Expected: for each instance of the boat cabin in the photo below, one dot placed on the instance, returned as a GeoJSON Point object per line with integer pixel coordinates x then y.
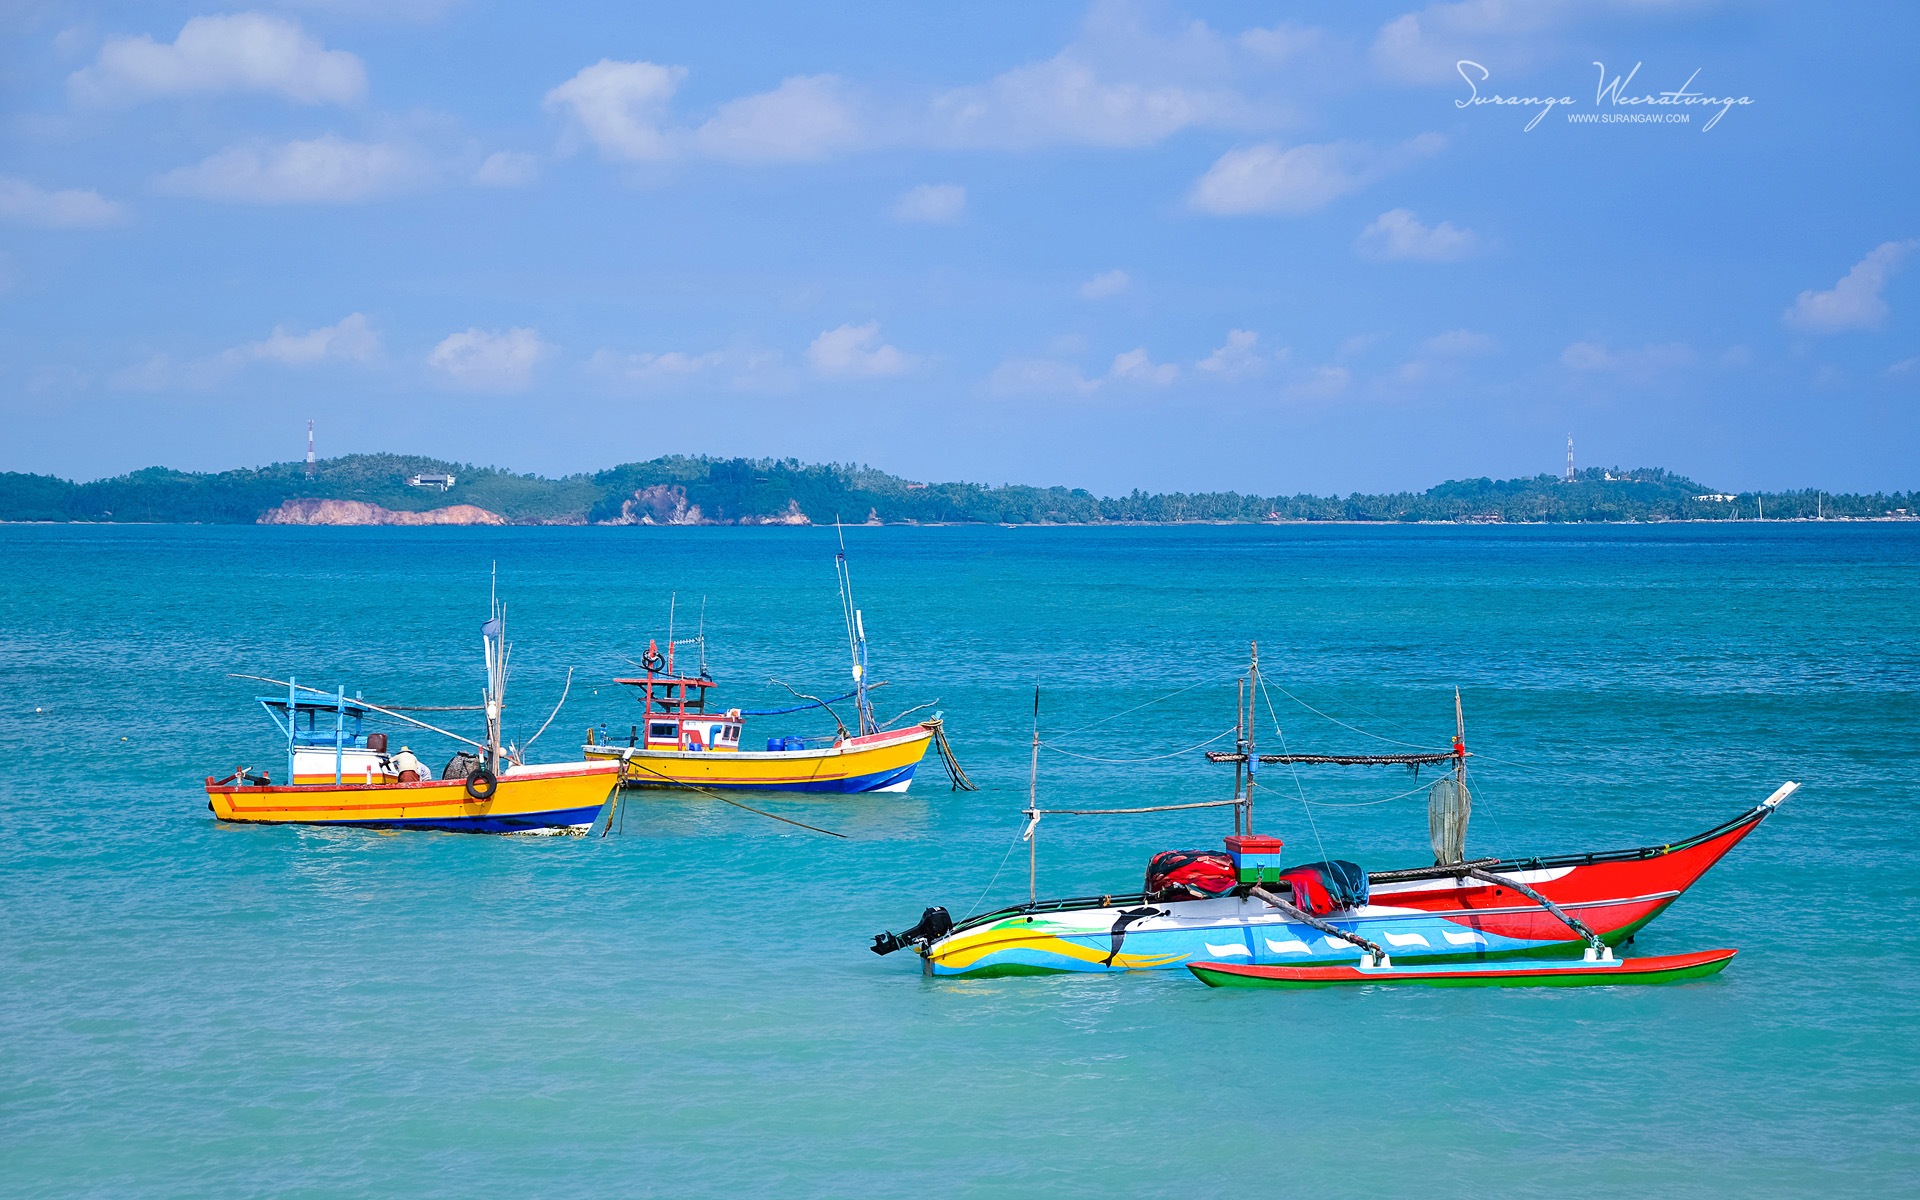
{"type": "Point", "coordinates": [676, 716]}
{"type": "Point", "coordinates": [327, 740]}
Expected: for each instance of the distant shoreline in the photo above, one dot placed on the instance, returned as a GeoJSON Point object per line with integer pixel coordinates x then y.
{"type": "Point", "coordinates": [1292, 524]}
{"type": "Point", "coordinates": [393, 490]}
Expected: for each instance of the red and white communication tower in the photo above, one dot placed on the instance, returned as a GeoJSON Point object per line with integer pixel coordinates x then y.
{"type": "Point", "coordinates": [1569, 457]}
{"type": "Point", "coordinates": [310, 448]}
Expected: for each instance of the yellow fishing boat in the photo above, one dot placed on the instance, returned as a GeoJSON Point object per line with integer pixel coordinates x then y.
{"type": "Point", "coordinates": [523, 799]}
{"type": "Point", "coordinates": [340, 773]}
{"type": "Point", "coordinates": [679, 743]}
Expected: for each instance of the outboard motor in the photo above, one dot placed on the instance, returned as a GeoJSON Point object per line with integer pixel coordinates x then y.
{"type": "Point", "coordinates": [934, 924]}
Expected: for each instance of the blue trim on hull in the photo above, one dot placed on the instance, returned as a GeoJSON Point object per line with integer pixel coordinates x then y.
{"type": "Point", "coordinates": [517, 823]}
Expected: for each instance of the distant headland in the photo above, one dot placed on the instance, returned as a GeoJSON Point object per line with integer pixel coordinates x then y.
{"type": "Point", "coordinates": [391, 489]}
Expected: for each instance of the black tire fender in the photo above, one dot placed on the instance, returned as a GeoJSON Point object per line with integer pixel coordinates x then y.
{"type": "Point", "coordinates": [481, 784]}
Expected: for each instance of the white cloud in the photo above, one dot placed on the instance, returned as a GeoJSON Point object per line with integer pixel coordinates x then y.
{"type": "Point", "coordinates": [1135, 367]}
{"type": "Point", "coordinates": [855, 351]}
{"type": "Point", "coordinates": [1422, 47]}
{"type": "Point", "coordinates": [23, 203]}
{"type": "Point", "coordinates": [1043, 376]}
{"type": "Point", "coordinates": [931, 204]}
{"type": "Point", "coordinates": [1105, 285]}
{"type": "Point", "coordinates": [653, 368]}
{"type": "Point", "coordinates": [1906, 366]}
{"type": "Point", "coordinates": [1856, 301]}
{"type": "Point", "coordinates": [325, 170]}
{"type": "Point", "coordinates": [504, 168]}
{"type": "Point", "coordinates": [806, 119]}
{"type": "Point", "coordinates": [1267, 178]}
{"type": "Point", "coordinates": [243, 52]}
{"type": "Point", "coordinates": [1064, 100]}
{"type": "Point", "coordinates": [351, 339]}
{"type": "Point", "coordinates": [1443, 356]}
{"type": "Point", "coordinates": [1238, 358]}
{"type": "Point", "coordinates": [1460, 343]}
{"type": "Point", "coordinates": [489, 359]}
{"type": "Point", "coordinates": [1284, 41]}
{"type": "Point", "coordinates": [1398, 236]}
{"type": "Point", "coordinates": [153, 375]}
{"type": "Point", "coordinates": [1354, 346]}
{"type": "Point", "coordinates": [738, 368]}
{"type": "Point", "coordinates": [1319, 384]}
{"type": "Point", "coordinates": [1039, 376]}
{"type": "Point", "coordinates": [1637, 363]}
{"type": "Point", "coordinates": [620, 106]}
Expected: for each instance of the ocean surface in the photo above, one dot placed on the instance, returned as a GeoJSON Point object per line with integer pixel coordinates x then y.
{"type": "Point", "coordinates": [687, 1007]}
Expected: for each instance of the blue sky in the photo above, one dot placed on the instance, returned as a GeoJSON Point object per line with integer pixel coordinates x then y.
{"type": "Point", "coordinates": [1265, 247]}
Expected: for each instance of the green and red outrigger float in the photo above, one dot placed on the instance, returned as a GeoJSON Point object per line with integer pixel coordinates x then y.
{"type": "Point", "coordinates": [1241, 919]}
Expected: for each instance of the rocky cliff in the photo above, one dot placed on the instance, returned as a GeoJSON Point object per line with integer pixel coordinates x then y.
{"type": "Point", "coordinates": [355, 512]}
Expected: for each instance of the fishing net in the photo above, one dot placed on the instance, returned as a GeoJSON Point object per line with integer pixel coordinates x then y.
{"type": "Point", "coordinates": [1448, 807]}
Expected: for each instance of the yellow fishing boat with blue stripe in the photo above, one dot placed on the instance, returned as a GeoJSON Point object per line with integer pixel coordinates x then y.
{"type": "Point", "coordinates": [678, 742]}
{"type": "Point", "coordinates": [339, 772]}
{"type": "Point", "coordinates": [524, 799]}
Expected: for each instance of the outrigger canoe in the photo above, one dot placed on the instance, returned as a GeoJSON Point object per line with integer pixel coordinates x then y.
{"type": "Point", "coordinates": [1244, 907]}
{"type": "Point", "coordinates": [1428, 914]}
{"type": "Point", "coordinates": [1659, 968]}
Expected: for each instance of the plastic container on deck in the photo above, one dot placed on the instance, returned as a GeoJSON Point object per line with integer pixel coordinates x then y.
{"type": "Point", "coordinates": [1255, 859]}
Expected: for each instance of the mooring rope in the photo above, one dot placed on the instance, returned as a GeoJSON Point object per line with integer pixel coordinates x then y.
{"type": "Point", "coordinates": [627, 760]}
{"type": "Point", "coordinates": [954, 771]}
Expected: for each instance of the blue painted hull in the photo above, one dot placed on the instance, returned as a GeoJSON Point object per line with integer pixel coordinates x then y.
{"type": "Point", "coordinates": [875, 782]}
{"type": "Point", "coordinates": [517, 823]}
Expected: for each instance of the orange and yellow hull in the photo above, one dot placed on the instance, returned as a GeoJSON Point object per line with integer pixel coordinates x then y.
{"type": "Point", "coordinates": [556, 796]}
{"type": "Point", "coordinates": [880, 762]}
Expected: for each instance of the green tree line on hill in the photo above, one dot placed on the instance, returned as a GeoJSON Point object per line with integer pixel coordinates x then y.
{"type": "Point", "coordinates": [699, 490]}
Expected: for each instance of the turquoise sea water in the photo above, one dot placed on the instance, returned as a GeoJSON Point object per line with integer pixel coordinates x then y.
{"type": "Point", "coordinates": [688, 1007]}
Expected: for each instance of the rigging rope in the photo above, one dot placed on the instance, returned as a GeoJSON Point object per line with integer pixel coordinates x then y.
{"type": "Point", "coordinates": [1018, 837]}
{"type": "Point", "coordinates": [1365, 803]}
{"type": "Point", "coordinates": [1151, 758]}
{"type": "Point", "coordinates": [1149, 704]}
{"type": "Point", "coordinates": [1297, 786]}
{"type": "Point", "coordinates": [694, 787]}
{"type": "Point", "coordinates": [1337, 721]}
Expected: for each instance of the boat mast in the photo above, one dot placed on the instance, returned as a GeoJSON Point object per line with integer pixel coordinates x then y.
{"type": "Point", "coordinates": [1459, 744]}
{"type": "Point", "coordinates": [856, 636]}
{"type": "Point", "coordinates": [1253, 759]}
{"type": "Point", "coordinates": [494, 645]}
{"type": "Point", "coordinates": [1239, 748]}
{"type": "Point", "coordinates": [1033, 807]}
